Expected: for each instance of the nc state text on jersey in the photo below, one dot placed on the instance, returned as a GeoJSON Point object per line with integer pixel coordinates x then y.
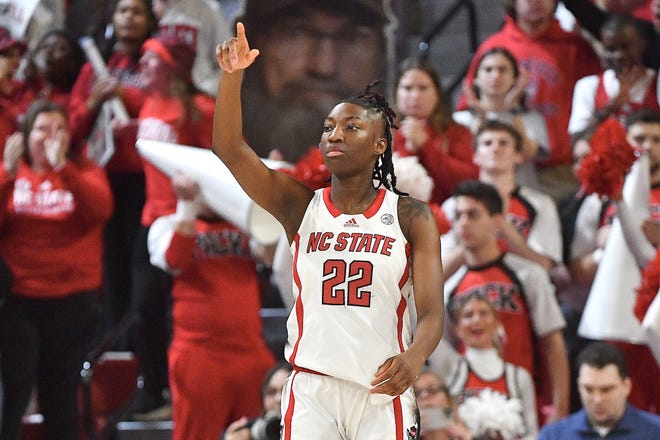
{"type": "Point", "coordinates": [352, 242]}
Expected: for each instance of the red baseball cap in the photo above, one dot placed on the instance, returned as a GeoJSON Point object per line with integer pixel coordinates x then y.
{"type": "Point", "coordinates": [7, 41]}
{"type": "Point", "coordinates": [174, 51]}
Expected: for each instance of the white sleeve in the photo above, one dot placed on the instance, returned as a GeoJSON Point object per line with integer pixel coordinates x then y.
{"type": "Point", "coordinates": [641, 248]}
{"type": "Point", "coordinates": [545, 234]}
{"type": "Point", "coordinates": [159, 239]}
{"type": "Point", "coordinates": [584, 103]}
{"type": "Point", "coordinates": [539, 293]}
{"type": "Point", "coordinates": [528, 398]}
{"type": "Point", "coordinates": [537, 130]}
{"type": "Point", "coordinates": [464, 117]}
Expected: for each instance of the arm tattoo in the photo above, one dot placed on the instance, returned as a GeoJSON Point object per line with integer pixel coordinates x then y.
{"type": "Point", "coordinates": [410, 209]}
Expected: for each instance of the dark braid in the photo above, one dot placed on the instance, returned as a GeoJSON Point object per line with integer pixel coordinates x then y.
{"type": "Point", "coordinates": [374, 101]}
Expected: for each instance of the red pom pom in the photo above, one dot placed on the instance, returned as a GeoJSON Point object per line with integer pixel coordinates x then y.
{"type": "Point", "coordinates": [310, 170]}
{"type": "Point", "coordinates": [649, 288]}
{"type": "Point", "coordinates": [603, 170]}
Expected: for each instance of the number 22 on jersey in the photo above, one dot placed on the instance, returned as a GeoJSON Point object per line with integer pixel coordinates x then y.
{"type": "Point", "coordinates": [347, 283]}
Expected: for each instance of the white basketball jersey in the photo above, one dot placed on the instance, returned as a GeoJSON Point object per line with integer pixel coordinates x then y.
{"type": "Point", "coordinates": [351, 279]}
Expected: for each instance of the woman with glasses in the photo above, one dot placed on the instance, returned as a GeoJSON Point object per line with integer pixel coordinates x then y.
{"type": "Point", "coordinates": [436, 409]}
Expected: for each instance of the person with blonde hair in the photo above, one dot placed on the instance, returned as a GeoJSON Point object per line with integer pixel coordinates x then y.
{"type": "Point", "coordinates": [477, 327]}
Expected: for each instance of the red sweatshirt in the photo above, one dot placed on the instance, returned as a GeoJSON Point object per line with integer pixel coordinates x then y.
{"type": "Point", "coordinates": [37, 89]}
{"type": "Point", "coordinates": [163, 119]}
{"type": "Point", "coordinates": [51, 228]}
{"type": "Point", "coordinates": [216, 294]}
{"type": "Point", "coordinates": [446, 157]}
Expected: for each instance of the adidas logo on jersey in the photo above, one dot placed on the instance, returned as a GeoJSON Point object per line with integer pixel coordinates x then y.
{"type": "Point", "coordinates": [351, 223]}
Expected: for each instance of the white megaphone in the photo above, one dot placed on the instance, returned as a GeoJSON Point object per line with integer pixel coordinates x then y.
{"type": "Point", "coordinates": [219, 188]}
{"type": "Point", "coordinates": [651, 327]}
{"type": "Point", "coordinates": [609, 311]}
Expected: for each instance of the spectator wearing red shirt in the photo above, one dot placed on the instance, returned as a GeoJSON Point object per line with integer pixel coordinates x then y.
{"type": "Point", "coordinates": [53, 67]}
{"type": "Point", "coordinates": [174, 111]}
{"type": "Point", "coordinates": [217, 343]}
{"type": "Point", "coordinates": [428, 131]}
{"type": "Point", "coordinates": [133, 23]}
{"type": "Point", "coordinates": [54, 206]}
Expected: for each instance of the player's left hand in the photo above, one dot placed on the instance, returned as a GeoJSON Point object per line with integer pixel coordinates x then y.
{"type": "Point", "coordinates": [395, 375]}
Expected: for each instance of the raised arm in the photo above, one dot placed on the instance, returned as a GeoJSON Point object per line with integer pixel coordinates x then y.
{"type": "Point", "coordinates": [284, 197]}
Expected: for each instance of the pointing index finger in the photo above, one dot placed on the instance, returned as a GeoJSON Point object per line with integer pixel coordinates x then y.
{"type": "Point", "coordinates": [240, 32]}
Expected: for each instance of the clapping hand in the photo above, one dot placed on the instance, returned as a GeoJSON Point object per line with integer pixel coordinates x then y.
{"type": "Point", "coordinates": [102, 90]}
{"type": "Point", "coordinates": [628, 77]}
{"type": "Point", "coordinates": [414, 130]}
{"type": "Point", "coordinates": [56, 147]}
{"type": "Point", "coordinates": [235, 53]}
{"type": "Point", "coordinates": [14, 147]}
{"type": "Point", "coordinates": [513, 98]}
{"type": "Point", "coordinates": [472, 100]}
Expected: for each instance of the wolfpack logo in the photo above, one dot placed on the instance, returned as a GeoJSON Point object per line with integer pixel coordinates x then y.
{"type": "Point", "coordinates": [221, 244]}
{"type": "Point", "coordinates": [412, 433]}
{"type": "Point", "coordinates": [351, 223]}
{"type": "Point", "coordinates": [387, 219]}
{"type": "Point", "coordinates": [505, 297]}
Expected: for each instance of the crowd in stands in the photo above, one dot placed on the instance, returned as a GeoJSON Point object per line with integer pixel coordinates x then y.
{"type": "Point", "coordinates": [535, 176]}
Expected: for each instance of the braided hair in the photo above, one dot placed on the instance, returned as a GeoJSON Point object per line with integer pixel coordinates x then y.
{"type": "Point", "coordinates": [375, 102]}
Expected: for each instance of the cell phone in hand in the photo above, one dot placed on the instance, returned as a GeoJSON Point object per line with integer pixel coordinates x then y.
{"type": "Point", "coordinates": [432, 418]}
